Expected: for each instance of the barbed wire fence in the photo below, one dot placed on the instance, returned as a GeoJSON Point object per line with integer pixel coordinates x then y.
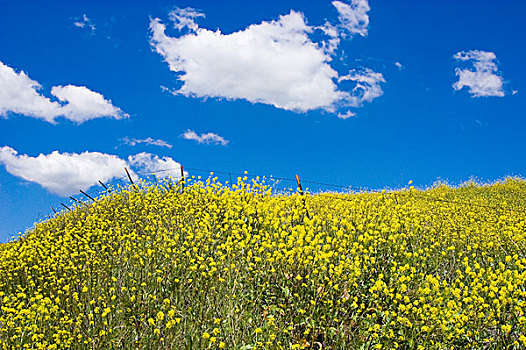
{"type": "Point", "coordinates": [278, 184]}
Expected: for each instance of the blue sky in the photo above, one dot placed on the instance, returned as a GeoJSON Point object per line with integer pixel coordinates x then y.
{"type": "Point", "coordinates": [431, 90]}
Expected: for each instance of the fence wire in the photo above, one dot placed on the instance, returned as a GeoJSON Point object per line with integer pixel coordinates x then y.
{"type": "Point", "coordinates": [278, 184]}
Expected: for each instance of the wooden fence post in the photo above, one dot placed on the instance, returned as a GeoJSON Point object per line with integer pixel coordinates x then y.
{"type": "Point", "coordinates": [299, 185]}
{"type": "Point", "coordinates": [182, 176]}
{"type": "Point", "coordinates": [65, 206]}
{"type": "Point", "coordinates": [106, 188]}
{"type": "Point", "coordinates": [129, 177]}
{"type": "Point", "coordinates": [76, 200]}
{"type": "Point", "coordinates": [303, 195]}
{"type": "Point", "coordinates": [87, 195]}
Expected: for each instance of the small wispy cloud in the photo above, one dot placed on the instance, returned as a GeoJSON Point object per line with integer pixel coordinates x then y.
{"type": "Point", "coordinates": [346, 115]}
{"type": "Point", "coordinates": [481, 123]}
{"type": "Point", "coordinates": [353, 17]}
{"type": "Point", "coordinates": [206, 138]}
{"type": "Point", "coordinates": [185, 18]}
{"type": "Point", "coordinates": [367, 88]}
{"type": "Point", "coordinates": [84, 22]}
{"type": "Point", "coordinates": [398, 65]}
{"type": "Point", "coordinates": [147, 141]}
{"type": "Point", "coordinates": [484, 80]}
{"type": "Point", "coordinates": [151, 163]}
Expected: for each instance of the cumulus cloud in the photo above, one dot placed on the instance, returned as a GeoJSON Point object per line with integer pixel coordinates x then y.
{"type": "Point", "coordinates": [65, 174]}
{"type": "Point", "coordinates": [484, 80]}
{"type": "Point", "coordinates": [399, 65]}
{"type": "Point", "coordinates": [273, 62]}
{"type": "Point", "coordinates": [84, 22]}
{"type": "Point", "coordinates": [151, 163]}
{"type": "Point", "coordinates": [353, 17]}
{"type": "Point", "coordinates": [19, 94]}
{"type": "Point", "coordinates": [82, 104]}
{"type": "Point", "coordinates": [147, 141]}
{"type": "Point", "coordinates": [207, 138]}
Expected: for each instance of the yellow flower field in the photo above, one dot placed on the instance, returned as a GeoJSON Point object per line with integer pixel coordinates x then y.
{"type": "Point", "coordinates": [214, 267]}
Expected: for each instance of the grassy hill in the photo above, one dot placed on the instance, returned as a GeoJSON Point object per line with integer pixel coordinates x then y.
{"type": "Point", "coordinates": [211, 267]}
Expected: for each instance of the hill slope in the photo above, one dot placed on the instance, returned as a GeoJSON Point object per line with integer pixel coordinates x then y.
{"type": "Point", "coordinates": [209, 267]}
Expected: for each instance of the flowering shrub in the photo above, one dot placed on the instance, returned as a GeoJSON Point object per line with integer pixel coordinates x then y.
{"type": "Point", "coordinates": [214, 267]}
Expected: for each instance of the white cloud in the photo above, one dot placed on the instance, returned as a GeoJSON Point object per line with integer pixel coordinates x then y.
{"type": "Point", "coordinates": [65, 174]}
{"type": "Point", "coordinates": [82, 104]}
{"type": "Point", "coordinates": [481, 123]}
{"type": "Point", "coordinates": [333, 34]}
{"type": "Point", "coordinates": [185, 18]}
{"type": "Point", "coordinates": [84, 22]}
{"type": "Point", "coordinates": [399, 65]}
{"type": "Point", "coordinates": [346, 115]}
{"type": "Point", "coordinates": [20, 95]}
{"type": "Point", "coordinates": [484, 80]}
{"type": "Point", "coordinates": [274, 62]}
{"type": "Point", "coordinates": [353, 17]}
{"type": "Point", "coordinates": [205, 138]}
{"type": "Point", "coordinates": [151, 163]}
{"type": "Point", "coordinates": [367, 86]}
{"type": "Point", "coordinates": [148, 141]}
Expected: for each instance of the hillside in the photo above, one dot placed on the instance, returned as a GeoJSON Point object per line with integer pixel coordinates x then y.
{"type": "Point", "coordinates": [210, 267]}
